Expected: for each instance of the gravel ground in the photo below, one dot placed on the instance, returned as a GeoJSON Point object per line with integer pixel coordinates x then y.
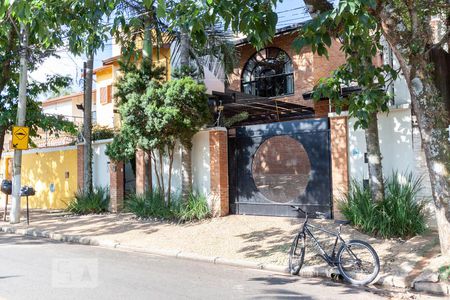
{"type": "Point", "coordinates": [254, 238]}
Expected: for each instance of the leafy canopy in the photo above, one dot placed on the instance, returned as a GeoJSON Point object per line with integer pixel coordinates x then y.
{"type": "Point", "coordinates": [359, 34]}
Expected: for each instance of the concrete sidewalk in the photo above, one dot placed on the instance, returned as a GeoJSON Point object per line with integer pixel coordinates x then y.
{"type": "Point", "coordinates": [250, 241]}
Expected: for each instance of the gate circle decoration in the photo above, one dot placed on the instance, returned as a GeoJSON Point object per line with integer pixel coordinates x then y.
{"type": "Point", "coordinates": [281, 169]}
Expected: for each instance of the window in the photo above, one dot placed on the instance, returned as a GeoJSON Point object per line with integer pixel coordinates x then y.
{"type": "Point", "coordinates": [106, 94]}
{"type": "Point", "coordinates": [268, 73]}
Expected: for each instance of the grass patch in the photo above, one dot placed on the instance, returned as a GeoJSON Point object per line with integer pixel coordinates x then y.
{"type": "Point", "coordinates": [94, 202]}
{"type": "Point", "coordinates": [400, 214]}
{"type": "Point", "coordinates": [153, 205]}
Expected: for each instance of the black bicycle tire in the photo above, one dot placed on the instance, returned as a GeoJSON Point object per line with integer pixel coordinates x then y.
{"type": "Point", "coordinates": [294, 246]}
{"type": "Point", "coordinates": [346, 276]}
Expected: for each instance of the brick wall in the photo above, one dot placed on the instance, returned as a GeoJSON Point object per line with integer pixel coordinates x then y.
{"type": "Point", "coordinates": [339, 161]}
{"type": "Point", "coordinates": [218, 149]}
{"type": "Point", "coordinates": [143, 172]}
{"type": "Point", "coordinates": [308, 67]}
{"type": "Point", "coordinates": [116, 171]}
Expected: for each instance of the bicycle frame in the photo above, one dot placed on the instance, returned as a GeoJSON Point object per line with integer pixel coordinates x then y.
{"type": "Point", "coordinates": [330, 259]}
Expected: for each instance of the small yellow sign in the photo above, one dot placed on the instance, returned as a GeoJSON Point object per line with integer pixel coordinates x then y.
{"type": "Point", "coordinates": [20, 137]}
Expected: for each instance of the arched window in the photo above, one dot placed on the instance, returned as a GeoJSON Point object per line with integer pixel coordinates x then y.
{"type": "Point", "coordinates": [268, 73]}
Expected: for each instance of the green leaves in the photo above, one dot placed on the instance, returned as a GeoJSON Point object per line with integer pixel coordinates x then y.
{"type": "Point", "coordinates": [359, 34]}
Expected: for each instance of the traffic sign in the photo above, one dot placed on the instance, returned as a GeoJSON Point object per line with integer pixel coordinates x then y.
{"type": "Point", "coordinates": [20, 136]}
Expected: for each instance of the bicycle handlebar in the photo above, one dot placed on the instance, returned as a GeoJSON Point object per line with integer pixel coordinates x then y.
{"type": "Point", "coordinates": [299, 209]}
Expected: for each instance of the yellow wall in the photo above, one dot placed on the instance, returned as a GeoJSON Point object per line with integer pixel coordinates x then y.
{"type": "Point", "coordinates": [41, 169]}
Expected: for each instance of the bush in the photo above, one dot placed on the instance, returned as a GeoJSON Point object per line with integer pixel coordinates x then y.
{"type": "Point", "coordinates": [94, 202]}
{"type": "Point", "coordinates": [196, 208]}
{"type": "Point", "coordinates": [102, 133]}
{"type": "Point", "coordinates": [152, 204]}
{"type": "Point", "coordinates": [400, 214]}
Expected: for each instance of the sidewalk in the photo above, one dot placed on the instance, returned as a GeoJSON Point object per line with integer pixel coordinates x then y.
{"type": "Point", "coordinates": [250, 241]}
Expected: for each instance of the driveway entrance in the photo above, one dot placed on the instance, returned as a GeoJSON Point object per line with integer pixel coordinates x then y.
{"type": "Point", "coordinates": [273, 166]}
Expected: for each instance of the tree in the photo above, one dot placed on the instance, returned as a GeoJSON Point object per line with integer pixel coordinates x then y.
{"type": "Point", "coordinates": [85, 36]}
{"type": "Point", "coordinates": [35, 118]}
{"type": "Point", "coordinates": [31, 29]}
{"type": "Point", "coordinates": [360, 44]}
{"type": "Point", "coordinates": [130, 88]}
{"type": "Point", "coordinates": [406, 25]}
{"type": "Point", "coordinates": [198, 36]}
{"type": "Point", "coordinates": [155, 116]}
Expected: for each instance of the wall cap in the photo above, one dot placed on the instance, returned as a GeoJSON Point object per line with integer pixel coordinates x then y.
{"type": "Point", "coordinates": [216, 129]}
{"type": "Point", "coordinates": [398, 107]}
{"type": "Point", "coordinates": [42, 150]}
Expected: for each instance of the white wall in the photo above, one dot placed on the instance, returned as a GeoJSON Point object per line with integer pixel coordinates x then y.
{"type": "Point", "coordinates": [59, 108]}
{"type": "Point", "coordinates": [176, 171]}
{"type": "Point", "coordinates": [213, 83]}
{"type": "Point", "coordinates": [200, 166]}
{"type": "Point", "coordinates": [100, 166]}
{"type": "Point", "coordinates": [104, 112]}
{"type": "Point", "coordinates": [395, 132]}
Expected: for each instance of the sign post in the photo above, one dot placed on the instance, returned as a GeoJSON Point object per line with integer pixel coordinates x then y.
{"type": "Point", "coordinates": [20, 137]}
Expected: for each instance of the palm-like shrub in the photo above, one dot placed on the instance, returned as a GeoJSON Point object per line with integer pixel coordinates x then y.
{"type": "Point", "coordinates": [195, 208]}
{"type": "Point", "coordinates": [153, 204]}
{"type": "Point", "coordinates": [400, 214]}
{"type": "Point", "coordinates": [94, 202]}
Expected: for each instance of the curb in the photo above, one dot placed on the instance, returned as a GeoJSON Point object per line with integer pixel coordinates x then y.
{"type": "Point", "coordinates": [439, 288]}
{"type": "Point", "coordinates": [306, 272]}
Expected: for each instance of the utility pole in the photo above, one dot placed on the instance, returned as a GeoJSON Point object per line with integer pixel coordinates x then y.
{"type": "Point", "coordinates": [21, 115]}
{"type": "Point", "coordinates": [87, 123]}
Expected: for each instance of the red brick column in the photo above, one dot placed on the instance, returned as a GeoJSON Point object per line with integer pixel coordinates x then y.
{"type": "Point", "coordinates": [339, 161]}
{"type": "Point", "coordinates": [116, 172]}
{"type": "Point", "coordinates": [218, 151]}
{"type": "Point", "coordinates": [143, 172]}
{"type": "Point", "coordinates": [80, 166]}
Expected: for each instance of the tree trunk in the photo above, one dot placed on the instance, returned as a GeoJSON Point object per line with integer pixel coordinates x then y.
{"type": "Point", "coordinates": [185, 45]}
{"type": "Point", "coordinates": [186, 156]}
{"type": "Point", "coordinates": [376, 182]}
{"type": "Point", "coordinates": [186, 172]}
{"type": "Point", "coordinates": [21, 115]}
{"type": "Point", "coordinates": [155, 167]}
{"type": "Point", "coordinates": [431, 116]}
{"type": "Point", "coordinates": [87, 148]}
{"type": "Point", "coordinates": [169, 192]}
{"type": "Point", "coordinates": [2, 139]}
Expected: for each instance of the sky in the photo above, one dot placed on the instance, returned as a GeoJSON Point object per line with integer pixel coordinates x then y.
{"type": "Point", "coordinates": [289, 12]}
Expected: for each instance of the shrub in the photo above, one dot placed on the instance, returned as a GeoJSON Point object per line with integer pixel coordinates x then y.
{"type": "Point", "coordinates": [196, 208]}
{"type": "Point", "coordinates": [152, 204]}
{"type": "Point", "coordinates": [400, 214]}
{"type": "Point", "coordinates": [102, 133]}
{"type": "Point", "coordinates": [444, 273]}
{"type": "Point", "coordinates": [93, 202]}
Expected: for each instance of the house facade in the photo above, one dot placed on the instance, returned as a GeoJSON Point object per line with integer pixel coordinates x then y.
{"type": "Point", "coordinates": [282, 149]}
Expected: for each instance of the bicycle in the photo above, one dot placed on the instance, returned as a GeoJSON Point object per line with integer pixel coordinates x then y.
{"type": "Point", "coordinates": [353, 259]}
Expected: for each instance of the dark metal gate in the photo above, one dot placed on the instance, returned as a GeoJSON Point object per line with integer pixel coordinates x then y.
{"type": "Point", "coordinates": [273, 166]}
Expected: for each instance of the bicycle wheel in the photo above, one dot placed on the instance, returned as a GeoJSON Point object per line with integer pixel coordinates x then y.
{"type": "Point", "coordinates": [358, 262]}
{"type": "Point", "coordinates": [297, 254]}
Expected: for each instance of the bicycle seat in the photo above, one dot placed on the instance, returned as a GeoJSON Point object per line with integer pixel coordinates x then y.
{"type": "Point", "coordinates": [342, 222]}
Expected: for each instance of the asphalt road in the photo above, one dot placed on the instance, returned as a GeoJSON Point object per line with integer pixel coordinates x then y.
{"type": "Point", "coordinates": [40, 269]}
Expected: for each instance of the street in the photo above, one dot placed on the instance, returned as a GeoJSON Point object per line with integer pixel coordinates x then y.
{"type": "Point", "coordinates": [40, 269]}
